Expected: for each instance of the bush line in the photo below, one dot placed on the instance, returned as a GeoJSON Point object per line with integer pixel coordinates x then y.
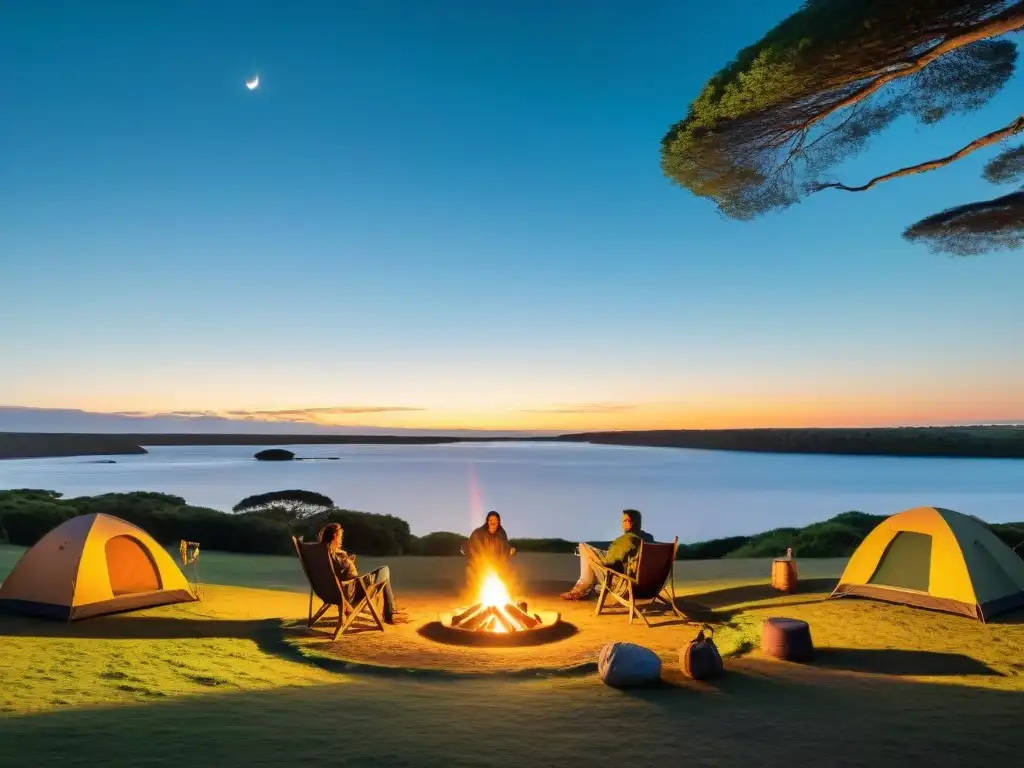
{"type": "Point", "coordinates": [26, 515]}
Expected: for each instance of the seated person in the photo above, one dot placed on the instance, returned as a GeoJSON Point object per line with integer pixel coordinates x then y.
{"type": "Point", "coordinates": [488, 547]}
{"type": "Point", "coordinates": [345, 569]}
{"type": "Point", "coordinates": [620, 557]}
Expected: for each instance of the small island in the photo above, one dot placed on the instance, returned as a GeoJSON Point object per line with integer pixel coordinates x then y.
{"type": "Point", "coordinates": [274, 454]}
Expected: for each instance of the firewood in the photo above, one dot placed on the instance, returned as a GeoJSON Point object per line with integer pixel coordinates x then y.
{"type": "Point", "coordinates": [525, 620]}
{"type": "Point", "coordinates": [459, 618]}
{"type": "Point", "coordinates": [501, 620]}
{"type": "Point", "coordinates": [477, 621]}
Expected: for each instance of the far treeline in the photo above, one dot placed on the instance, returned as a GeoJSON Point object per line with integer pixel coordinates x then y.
{"type": "Point", "coordinates": [982, 441]}
{"type": "Point", "coordinates": [1003, 442]}
{"type": "Point", "coordinates": [263, 524]}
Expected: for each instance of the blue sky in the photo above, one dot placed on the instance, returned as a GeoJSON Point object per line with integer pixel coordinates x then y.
{"type": "Point", "coordinates": [457, 207]}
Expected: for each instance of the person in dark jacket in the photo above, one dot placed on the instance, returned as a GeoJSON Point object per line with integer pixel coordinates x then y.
{"type": "Point", "coordinates": [488, 548]}
{"type": "Point", "coordinates": [620, 557]}
{"type": "Point", "coordinates": [345, 569]}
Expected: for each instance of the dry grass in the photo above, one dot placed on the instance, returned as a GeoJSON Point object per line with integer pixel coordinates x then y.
{"type": "Point", "coordinates": [233, 681]}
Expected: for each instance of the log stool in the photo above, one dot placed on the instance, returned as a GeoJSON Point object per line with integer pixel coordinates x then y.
{"type": "Point", "coordinates": [784, 576]}
{"type": "Point", "coordinates": [787, 639]}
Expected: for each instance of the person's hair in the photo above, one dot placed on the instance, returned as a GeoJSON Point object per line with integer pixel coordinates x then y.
{"type": "Point", "coordinates": [490, 514]}
{"type": "Point", "coordinates": [634, 517]}
{"type": "Point", "coordinates": [329, 531]}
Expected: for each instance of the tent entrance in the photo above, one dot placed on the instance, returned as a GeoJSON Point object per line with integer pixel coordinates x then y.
{"type": "Point", "coordinates": [906, 562]}
{"type": "Point", "coordinates": [130, 567]}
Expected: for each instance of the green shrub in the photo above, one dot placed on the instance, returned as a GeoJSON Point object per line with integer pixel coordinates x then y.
{"type": "Point", "coordinates": [712, 549]}
{"type": "Point", "coordinates": [26, 521]}
{"type": "Point", "coordinates": [769, 544]}
{"type": "Point", "coordinates": [827, 540]}
{"type": "Point", "coordinates": [543, 545]}
{"type": "Point", "coordinates": [439, 544]}
{"type": "Point", "coordinates": [30, 493]}
{"type": "Point", "coordinates": [28, 514]}
{"type": "Point", "coordinates": [1012, 534]}
{"type": "Point", "coordinates": [366, 533]}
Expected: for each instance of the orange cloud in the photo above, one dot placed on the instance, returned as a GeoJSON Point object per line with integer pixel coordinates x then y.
{"type": "Point", "coordinates": [319, 415]}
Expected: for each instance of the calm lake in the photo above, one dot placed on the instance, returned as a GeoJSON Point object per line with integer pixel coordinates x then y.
{"type": "Point", "coordinates": [556, 489]}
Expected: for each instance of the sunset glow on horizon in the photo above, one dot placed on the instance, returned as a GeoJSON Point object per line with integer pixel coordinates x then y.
{"type": "Point", "coordinates": [793, 412]}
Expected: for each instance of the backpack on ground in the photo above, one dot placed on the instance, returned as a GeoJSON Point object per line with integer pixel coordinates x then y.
{"type": "Point", "coordinates": [700, 659]}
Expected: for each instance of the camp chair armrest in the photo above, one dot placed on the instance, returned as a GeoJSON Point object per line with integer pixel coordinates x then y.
{"type": "Point", "coordinates": [608, 574]}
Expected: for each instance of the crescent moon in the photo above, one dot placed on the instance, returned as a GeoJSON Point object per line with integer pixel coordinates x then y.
{"type": "Point", "coordinates": [251, 84]}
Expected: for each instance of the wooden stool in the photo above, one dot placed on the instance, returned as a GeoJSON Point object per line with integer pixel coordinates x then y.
{"type": "Point", "coordinates": [784, 575]}
{"type": "Point", "coordinates": [787, 639]}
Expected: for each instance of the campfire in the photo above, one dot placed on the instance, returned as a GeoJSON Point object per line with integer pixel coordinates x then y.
{"type": "Point", "coordinates": [496, 615]}
{"type": "Point", "coordinates": [495, 611]}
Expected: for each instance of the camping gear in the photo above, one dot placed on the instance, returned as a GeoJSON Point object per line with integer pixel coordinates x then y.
{"type": "Point", "coordinates": [627, 665]}
{"type": "Point", "coordinates": [92, 565]}
{"type": "Point", "coordinates": [699, 659]}
{"type": "Point", "coordinates": [315, 559]}
{"type": "Point", "coordinates": [787, 639]}
{"type": "Point", "coordinates": [929, 557]}
{"type": "Point", "coordinates": [654, 582]}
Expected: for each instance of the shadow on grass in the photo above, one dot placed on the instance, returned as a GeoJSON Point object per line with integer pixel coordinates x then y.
{"type": "Point", "coordinates": [128, 627]}
{"type": "Point", "coordinates": [715, 607]}
{"type": "Point", "coordinates": [1014, 617]}
{"type": "Point", "coordinates": [274, 637]}
{"type": "Point", "coordinates": [747, 720]}
{"type": "Point", "coordinates": [752, 593]}
{"type": "Point", "coordinates": [891, 661]}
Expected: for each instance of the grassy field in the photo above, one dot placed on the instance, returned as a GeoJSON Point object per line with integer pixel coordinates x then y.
{"type": "Point", "coordinates": [236, 680]}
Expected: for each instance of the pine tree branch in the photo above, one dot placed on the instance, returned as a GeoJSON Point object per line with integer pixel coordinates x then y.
{"type": "Point", "coordinates": [987, 140]}
{"type": "Point", "coordinates": [1008, 21]}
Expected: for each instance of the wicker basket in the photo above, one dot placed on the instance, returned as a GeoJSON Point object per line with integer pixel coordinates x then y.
{"type": "Point", "coordinates": [784, 576]}
{"type": "Point", "coordinates": [787, 639]}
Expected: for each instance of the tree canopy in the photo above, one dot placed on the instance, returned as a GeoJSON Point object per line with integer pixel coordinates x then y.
{"type": "Point", "coordinates": [292, 504]}
{"type": "Point", "coordinates": [768, 128]}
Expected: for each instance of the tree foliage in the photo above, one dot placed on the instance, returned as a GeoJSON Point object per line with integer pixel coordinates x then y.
{"type": "Point", "coordinates": [767, 129]}
{"type": "Point", "coordinates": [968, 230]}
{"type": "Point", "coordinates": [291, 504]}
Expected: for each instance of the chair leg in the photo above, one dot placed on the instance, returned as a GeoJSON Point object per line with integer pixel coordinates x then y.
{"type": "Point", "coordinates": [309, 619]}
{"type": "Point", "coordinates": [373, 612]}
{"type": "Point", "coordinates": [601, 598]}
{"type": "Point", "coordinates": [671, 600]}
{"type": "Point", "coordinates": [319, 614]}
{"type": "Point", "coordinates": [340, 626]}
{"type": "Point", "coordinates": [632, 605]}
{"type": "Point", "coordinates": [672, 593]}
{"type": "Point", "coordinates": [353, 612]}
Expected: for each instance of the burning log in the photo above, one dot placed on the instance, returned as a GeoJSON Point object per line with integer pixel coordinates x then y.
{"type": "Point", "coordinates": [492, 618]}
{"type": "Point", "coordinates": [520, 616]}
{"type": "Point", "coordinates": [479, 615]}
{"type": "Point", "coordinates": [495, 612]}
{"type": "Point", "coordinates": [502, 622]}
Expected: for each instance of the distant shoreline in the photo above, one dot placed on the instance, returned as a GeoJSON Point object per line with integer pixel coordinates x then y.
{"type": "Point", "coordinates": [1003, 442]}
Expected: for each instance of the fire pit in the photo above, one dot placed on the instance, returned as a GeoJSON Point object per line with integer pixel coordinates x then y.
{"type": "Point", "coordinates": [495, 619]}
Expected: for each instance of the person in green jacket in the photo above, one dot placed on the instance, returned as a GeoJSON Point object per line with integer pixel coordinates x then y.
{"type": "Point", "coordinates": [620, 557]}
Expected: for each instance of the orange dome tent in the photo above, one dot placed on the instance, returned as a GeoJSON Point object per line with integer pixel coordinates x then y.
{"type": "Point", "coordinates": [92, 565]}
{"type": "Point", "coordinates": [936, 558]}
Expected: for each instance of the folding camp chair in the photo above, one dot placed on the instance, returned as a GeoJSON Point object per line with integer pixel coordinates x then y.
{"type": "Point", "coordinates": [323, 582]}
{"type": "Point", "coordinates": [653, 583]}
